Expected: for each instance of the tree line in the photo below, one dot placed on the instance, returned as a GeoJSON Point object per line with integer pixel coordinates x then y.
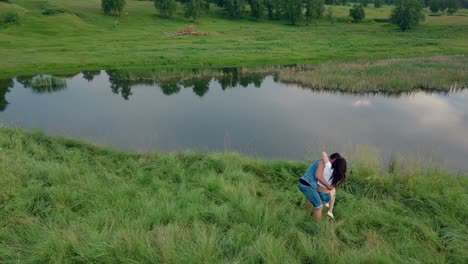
{"type": "Point", "coordinates": [406, 14]}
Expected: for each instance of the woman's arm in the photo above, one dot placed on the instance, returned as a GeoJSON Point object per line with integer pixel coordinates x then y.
{"type": "Point", "coordinates": [325, 157]}
{"type": "Point", "coordinates": [319, 175]}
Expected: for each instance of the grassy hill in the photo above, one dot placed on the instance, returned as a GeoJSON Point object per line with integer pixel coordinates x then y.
{"type": "Point", "coordinates": [64, 201]}
{"type": "Point", "coordinates": [79, 36]}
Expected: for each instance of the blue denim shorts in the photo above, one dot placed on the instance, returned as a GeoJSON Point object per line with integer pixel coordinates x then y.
{"type": "Point", "coordinates": [315, 197]}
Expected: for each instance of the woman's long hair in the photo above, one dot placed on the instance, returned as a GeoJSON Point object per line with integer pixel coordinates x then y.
{"type": "Point", "coordinates": [339, 172]}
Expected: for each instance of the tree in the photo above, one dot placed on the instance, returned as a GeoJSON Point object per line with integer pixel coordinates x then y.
{"type": "Point", "coordinates": [314, 9]}
{"type": "Point", "coordinates": [331, 14]}
{"type": "Point", "coordinates": [435, 6]}
{"type": "Point", "coordinates": [407, 13]}
{"type": "Point", "coordinates": [256, 7]}
{"type": "Point", "coordinates": [364, 3]}
{"type": "Point", "coordinates": [89, 75]}
{"type": "Point", "coordinates": [166, 7]}
{"type": "Point", "coordinates": [234, 8]}
{"type": "Point", "coordinates": [274, 8]}
{"type": "Point", "coordinates": [195, 8]}
{"type": "Point", "coordinates": [378, 3]}
{"type": "Point", "coordinates": [452, 6]}
{"type": "Point", "coordinates": [357, 13]}
{"type": "Point", "coordinates": [293, 10]}
{"type": "Point", "coordinates": [113, 6]}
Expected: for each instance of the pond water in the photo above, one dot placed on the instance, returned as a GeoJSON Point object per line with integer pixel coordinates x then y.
{"type": "Point", "coordinates": [252, 114]}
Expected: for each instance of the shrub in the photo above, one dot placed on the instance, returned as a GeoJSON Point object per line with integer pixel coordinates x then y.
{"type": "Point", "coordinates": [11, 18]}
{"type": "Point", "coordinates": [357, 13]}
{"type": "Point", "coordinates": [407, 14]}
{"type": "Point", "coordinates": [53, 11]}
{"type": "Point", "coordinates": [166, 7]}
{"type": "Point", "coordinates": [113, 6]}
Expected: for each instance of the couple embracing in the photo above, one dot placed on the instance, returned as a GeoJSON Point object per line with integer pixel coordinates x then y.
{"type": "Point", "coordinates": [319, 182]}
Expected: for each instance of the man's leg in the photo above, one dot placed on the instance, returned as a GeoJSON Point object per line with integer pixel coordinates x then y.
{"type": "Point", "coordinates": [309, 208]}
{"type": "Point", "coordinates": [318, 213]}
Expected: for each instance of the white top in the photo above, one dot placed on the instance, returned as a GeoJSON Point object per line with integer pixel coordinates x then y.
{"type": "Point", "coordinates": [327, 173]}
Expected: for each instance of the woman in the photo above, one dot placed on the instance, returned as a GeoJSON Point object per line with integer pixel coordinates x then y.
{"type": "Point", "coordinates": [334, 174]}
{"type": "Point", "coordinates": [308, 184]}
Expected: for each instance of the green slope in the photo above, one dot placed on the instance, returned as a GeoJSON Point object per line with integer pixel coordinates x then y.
{"type": "Point", "coordinates": [64, 201]}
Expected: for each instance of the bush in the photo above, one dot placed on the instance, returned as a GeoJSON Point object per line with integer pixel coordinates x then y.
{"type": "Point", "coordinates": [407, 14]}
{"type": "Point", "coordinates": [357, 13]}
{"type": "Point", "coordinates": [166, 7]}
{"type": "Point", "coordinates": [53, 11]}
{"type": "Point", "coordinates": [113, 6]}
{"type": "Point", "coordinates": [11, 18]}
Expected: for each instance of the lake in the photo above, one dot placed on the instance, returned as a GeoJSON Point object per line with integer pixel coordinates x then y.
{"type": "Point", "coordinates": [252, 114]}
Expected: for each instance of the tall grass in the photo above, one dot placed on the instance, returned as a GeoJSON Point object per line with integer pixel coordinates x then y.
{"type": "Point", "coordinates": [66, 201]}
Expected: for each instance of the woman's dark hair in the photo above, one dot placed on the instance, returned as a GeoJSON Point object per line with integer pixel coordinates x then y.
{"type": "Point", "coordinates": [339, 172]}
{"type": "Point", "coordinates": [335, 156]}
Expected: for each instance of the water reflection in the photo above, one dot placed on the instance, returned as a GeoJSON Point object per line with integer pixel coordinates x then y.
{"type": "Point", "coordinates": [122, 81]}
{"type": "Point", "coordinates": [43, 83]}
{"type": "Point", "coordinates": [171, 82]}
{"type": "Point", "coordinates": [5, 86]}
{"type": "Point", "coordinates": [89, 75]}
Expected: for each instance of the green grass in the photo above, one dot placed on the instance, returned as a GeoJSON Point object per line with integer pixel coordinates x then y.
{"type": "Point", "coordinates": [80, 37]}
{"type": "Point", "coordinates": [64, 201]}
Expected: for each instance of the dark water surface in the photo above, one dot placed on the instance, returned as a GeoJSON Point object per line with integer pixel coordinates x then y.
{"type": "Point", "coordinates": [252, 114]}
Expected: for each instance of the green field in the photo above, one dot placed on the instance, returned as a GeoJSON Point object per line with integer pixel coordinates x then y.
{"type": "Point", "coordinates": [64, 201]}
{"type": "Point", "coordinates": [83, 38]}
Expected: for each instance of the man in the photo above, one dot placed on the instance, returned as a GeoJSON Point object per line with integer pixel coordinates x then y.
{"type": "Point", "coordinates": [308, 186]}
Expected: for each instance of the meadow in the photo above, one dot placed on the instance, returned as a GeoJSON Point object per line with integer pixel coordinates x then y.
{"type": "Point", "coordinates": [80, 37]}
{"type": "Point", "coordinates": [65, 201]}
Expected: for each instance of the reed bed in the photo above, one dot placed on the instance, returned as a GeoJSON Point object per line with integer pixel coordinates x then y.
{"type": "Point", "coordinates": [440, 73]}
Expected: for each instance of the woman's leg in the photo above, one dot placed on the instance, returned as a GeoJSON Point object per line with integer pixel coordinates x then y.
{"type": "Point", "coordinates": [332, 201]}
